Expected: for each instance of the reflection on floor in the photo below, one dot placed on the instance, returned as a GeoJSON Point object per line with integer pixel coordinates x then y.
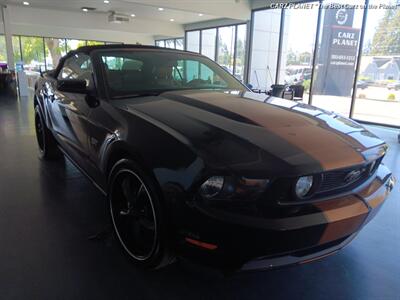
{"type": "Point", "coordinates": [48, 211]}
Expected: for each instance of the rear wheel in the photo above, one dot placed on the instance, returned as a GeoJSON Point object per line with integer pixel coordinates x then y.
{"type": "Point", "coordinates": [137, 216]}
{"type": "Point", "coordinates": [48, 149]}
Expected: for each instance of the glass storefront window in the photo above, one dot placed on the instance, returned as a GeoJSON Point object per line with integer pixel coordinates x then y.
{"type": "Point", "coordinates": [37, 55]}
{"type": "Point", "coordinates": [94, 43]}
{"type": "Point", "coordinates": [193, 41]}
{"type": "Point", "coordinates": [240, 51]}
{"type": "Point", "coordinates": [16, 49]}
{"type": "Point", "coordinates": [298, 47]}
{"type": "Point", "coordinates": [33, 53]}
{"type": "Point", "coordinates": [170, 44]}
{"type": "Point", "coordinates": [3, 50]}
{"type": "Point", "coordinates": [55, 49]}
{"type": "Point", "coordinates": [264, 45]}
{"type": "Point", "coordinates": [160, 43]}
{"type": "Point", "coordinates": [337, 56]}
{"type": "Point", "coordinates": [378, 82]}
{"type": "Point", "coordinates": [75, 44]}
{"type": "Point", "coordinates": [176, 43]}
{"type": "Point", "coordinates": [179, 44]}
{"type": "Point", "coordinates": [208, 37]}
{"type": "Point", "coordinates": [226, 46]}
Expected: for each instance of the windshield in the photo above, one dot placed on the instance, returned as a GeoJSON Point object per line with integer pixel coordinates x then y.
{"type": "Point", "coordinates": [136, 72]}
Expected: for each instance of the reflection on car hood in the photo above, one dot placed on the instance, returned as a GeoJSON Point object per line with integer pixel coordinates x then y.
{"type": "Point", "coordinates": [250, 132]}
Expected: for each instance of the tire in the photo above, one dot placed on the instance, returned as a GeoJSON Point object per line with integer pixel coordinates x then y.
{"type": "Point", "coordinates": [48, 149]}
{"type": "Point", "coordinates": [137, 216]}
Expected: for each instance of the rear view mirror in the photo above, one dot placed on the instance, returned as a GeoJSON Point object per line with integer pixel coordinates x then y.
{"type": "Point", "coordinates": [72, 86]}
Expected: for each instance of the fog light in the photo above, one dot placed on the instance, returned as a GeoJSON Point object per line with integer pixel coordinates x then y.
{"type": "Point", "coordinates": [212, 186]}
{"type": "Point", "coordinates": [303, 186]}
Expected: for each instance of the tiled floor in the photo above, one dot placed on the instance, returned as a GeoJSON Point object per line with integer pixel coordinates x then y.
{"type": "Point", "coordinates": [48, 211]}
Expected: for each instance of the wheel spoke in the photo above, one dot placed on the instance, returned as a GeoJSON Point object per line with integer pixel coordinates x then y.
{"type": "Point", "coordinates": [146, 223]}
{"type": "Point", "coordinates": [126, 185]}
{"type": "Point", "coordinates": [134, 215]}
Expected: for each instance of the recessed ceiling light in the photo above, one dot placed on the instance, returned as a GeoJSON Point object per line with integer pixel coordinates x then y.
{"type": "Point", "coordinates": [106, 1]}
{"type": "Point", "coordinates": [160, 9]}
{"type": "Point", "coordinates": [86, 9]}
{"type": "Point", "coordinates": [25, 3]}
{"type": "Point", "coordinates": [172, 20]}
{"type": "Point", "coordinates": [200, 15]}
{"type": "Point", "coordinates": [133, 15]}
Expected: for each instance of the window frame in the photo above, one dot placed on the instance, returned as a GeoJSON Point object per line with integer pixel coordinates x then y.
{"type": "Point", "coordinates": [19, 36]}
{"type": "Point", "coordinates": [169, 39]}
{"type": "Point", "coordinates": [316, 50]}
{"type": "Point", "coordinates": [217, 44]}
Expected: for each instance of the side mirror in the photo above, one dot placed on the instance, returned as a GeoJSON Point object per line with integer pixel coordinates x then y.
{"type": "Point", "coordinates": [249, 85]}
{"type": "Point", "coordinates": [49, 73]}
{"type": "Point", "coordinates": [72, 86]}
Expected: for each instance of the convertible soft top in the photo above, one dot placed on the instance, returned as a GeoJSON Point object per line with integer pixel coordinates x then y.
{"type": "Point", "coordinates": [88, 49]}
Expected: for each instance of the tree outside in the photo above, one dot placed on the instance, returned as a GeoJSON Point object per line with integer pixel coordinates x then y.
{"type": "Point", "coordinates": [386, 40]}
{"type": "Point", "coordinates": [3, 53]}
{"type": "Point", "coordinates": [55, 49]}
{"type": "Point", "coordinates": [32, 51]}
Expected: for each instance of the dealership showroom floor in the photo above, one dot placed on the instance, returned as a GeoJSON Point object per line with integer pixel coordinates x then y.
{"type": "Point", "coordinates": [56, 238]}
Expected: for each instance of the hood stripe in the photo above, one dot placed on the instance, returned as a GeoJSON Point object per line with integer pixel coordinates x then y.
{"type": "Point", "coordinates": [331, 150]}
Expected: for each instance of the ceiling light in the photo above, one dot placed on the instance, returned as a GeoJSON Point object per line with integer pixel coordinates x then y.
{"type": "Point", "coordinates": [160, 9]}
{"type": "Point", "coordinates": [25, 3]}
{"type": "Point", "coordinates": [106, 1]}
{"type": "Point", "coordinates": [172, 20]}
{"type": "Point", "coordinates": [133, 15]}
{"type": "Point", "coordinates": [200, 15]}
{"type": "Point", "coordinates": [86, 9]}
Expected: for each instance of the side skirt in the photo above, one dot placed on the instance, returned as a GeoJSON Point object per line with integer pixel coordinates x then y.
{"type": "Point", "coordinates": [83, 172]}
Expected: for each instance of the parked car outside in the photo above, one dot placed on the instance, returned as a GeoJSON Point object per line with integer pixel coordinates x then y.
{"type": "Point", "coordinates": [362, 84]}
{"type": "Point", "coordinates": [395, 85]}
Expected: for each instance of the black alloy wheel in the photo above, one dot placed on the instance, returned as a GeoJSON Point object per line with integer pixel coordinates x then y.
{"type": "Point", "coordinates": [39, 131]}
{"type": "Point", "coordinates": [136, 216]}
{"type": "Point", "coordinates": [48, 149]}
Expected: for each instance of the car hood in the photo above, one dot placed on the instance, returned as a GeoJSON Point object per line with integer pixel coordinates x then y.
{"type": "Point", "coordinates": [252, 132]}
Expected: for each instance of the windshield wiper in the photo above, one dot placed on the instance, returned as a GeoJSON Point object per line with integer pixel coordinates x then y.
{"type": "Point", "coordinates": [137, 95]}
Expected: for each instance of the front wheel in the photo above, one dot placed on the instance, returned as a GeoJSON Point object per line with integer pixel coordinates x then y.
{"type": "Point", "coordinates": [48, 149]}
{"type": "Point", "coordinates": [137, 215]}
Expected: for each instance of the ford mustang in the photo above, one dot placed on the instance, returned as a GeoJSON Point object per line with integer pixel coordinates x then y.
{"type": "Point", "coordinates": [196, 165]}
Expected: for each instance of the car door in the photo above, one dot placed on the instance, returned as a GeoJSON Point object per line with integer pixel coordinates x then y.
{"type": "Point", "coordinates": [70, 110]}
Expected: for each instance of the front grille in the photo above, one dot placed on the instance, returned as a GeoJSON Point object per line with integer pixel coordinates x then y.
{"type": "Point", "coordinates": [346, 178]}
{"type": "Point", "coordinates": [326, 184]}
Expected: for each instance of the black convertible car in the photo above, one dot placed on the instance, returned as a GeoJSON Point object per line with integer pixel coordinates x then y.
{"type": "Point", "coordinates": [195, 164]}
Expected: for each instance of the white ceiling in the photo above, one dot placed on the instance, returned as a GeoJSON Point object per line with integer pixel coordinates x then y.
{"type": "Point", "coordinates": [182, 11]}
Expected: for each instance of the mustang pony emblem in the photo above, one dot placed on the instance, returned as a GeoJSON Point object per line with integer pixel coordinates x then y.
{"type": "Point", "coordinates": [352, 176]}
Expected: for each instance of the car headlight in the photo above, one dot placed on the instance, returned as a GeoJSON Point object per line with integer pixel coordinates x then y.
{"type": "Point", "coordinates": [230, 188]}
{"type": "Point", "coordinates": [303, 186]}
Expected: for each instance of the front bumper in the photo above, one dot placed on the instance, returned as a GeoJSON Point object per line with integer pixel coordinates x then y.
{"type": "Point", "coordinates": [300, 234]}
